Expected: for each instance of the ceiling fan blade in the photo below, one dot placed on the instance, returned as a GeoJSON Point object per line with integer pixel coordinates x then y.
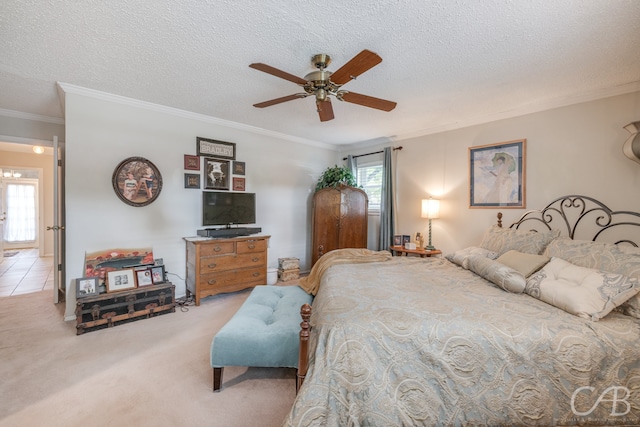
{"type": "Point", "coordinates": [280, 100]}
{"type": "Point", "coordinates": [325, 110]}
{"type": "Point", "coordinates": [278, 73]}
{"type": "Point", "coordinates": [367, 101]}
{"type": "Point", "coordinates": [360, 63]}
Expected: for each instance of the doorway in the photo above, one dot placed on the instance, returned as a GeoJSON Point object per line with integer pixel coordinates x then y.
{"type": "Point", "coordinates": [29, 268]}
{"type": "Point", "coordinates": [21, 208]}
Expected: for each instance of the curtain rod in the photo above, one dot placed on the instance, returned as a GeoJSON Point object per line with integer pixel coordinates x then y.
{"type": "Point", "coordinates": [375, 152]}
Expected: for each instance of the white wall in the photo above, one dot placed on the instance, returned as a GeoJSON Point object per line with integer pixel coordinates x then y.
{"type": "Point", "coordinates": [570, 150]}
{"type": "Point", "coordinates": [100, 133]}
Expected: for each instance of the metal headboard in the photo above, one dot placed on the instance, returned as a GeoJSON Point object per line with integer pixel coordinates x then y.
{"type": "Point", "coordinates": [583, 218]}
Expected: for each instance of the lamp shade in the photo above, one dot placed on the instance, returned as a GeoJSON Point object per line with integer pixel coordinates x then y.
{"type": "Point", "coordinates": [430, 208]}
{"type": "Point", "coordinates": [631, 147]}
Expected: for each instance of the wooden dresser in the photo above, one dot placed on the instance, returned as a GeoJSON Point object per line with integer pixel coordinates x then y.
{"type": "Point", "coordinates": [217, 266]}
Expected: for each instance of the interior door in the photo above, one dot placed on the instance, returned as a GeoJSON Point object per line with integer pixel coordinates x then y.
{"type": "Point", "coordinates": [59, 287]}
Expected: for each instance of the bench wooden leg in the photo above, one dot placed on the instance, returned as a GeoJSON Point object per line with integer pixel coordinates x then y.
{"type": "Point", "coordinates": [217, 378]}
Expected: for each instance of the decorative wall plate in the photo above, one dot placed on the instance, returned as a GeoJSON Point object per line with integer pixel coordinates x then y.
{"type": "Point", "coordinates": [137, 181]}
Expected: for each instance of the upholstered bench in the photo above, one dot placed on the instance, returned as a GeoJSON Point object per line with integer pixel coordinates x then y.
{"type": "Point", "coordinates": [264, 332]}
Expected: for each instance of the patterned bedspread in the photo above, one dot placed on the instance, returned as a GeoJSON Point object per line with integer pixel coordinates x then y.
{"type": "Point", "coordinates": [413, 341]}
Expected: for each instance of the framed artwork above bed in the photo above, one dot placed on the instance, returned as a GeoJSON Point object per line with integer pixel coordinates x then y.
{"type": "Point", "coordinates": [497, 175]}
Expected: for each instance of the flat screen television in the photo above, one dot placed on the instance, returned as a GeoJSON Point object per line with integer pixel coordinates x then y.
{"type": "Point", "coordinates": [228, 208]}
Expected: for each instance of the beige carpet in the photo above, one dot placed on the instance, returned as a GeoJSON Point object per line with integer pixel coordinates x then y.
{"type": "Point", "coordinates": [152, 372]}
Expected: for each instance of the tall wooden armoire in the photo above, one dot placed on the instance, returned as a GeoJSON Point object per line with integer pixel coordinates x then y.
{"type": "Point", "coordinates": [339, 220]}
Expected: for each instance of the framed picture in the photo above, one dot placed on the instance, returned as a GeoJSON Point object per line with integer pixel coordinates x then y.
{"type": "Point", "coordinates": [238, 168]}
{"type": "Point", "coordinates": [191, 163]}
{"type": "Point", "coordinates": [157, 274]}
{"type": "Point", "coordinates": [121, 280]}
{"type": "Point", "coordinates": [144, 277]}
{"type": "Point", "coordinates": [97, 264]}
{"type": "Point", "coordinates": [137, 181]}
{"type": "Point", "coordinates": [86, 287]}
{"type": "Point", "coordinates": [497, 175]}
{"type": "Point", "coordinates": [191, 180]}
{"type": "Point", "coordinates": [397, 240]}
{"type": "Point", "coordinates": [217, 174]}
{"type": "Point", "coordinates": [238, 184]}
{"type": "Point", "coordinates": [217, 149]}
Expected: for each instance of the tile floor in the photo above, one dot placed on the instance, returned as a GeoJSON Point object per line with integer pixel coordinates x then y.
{"type": "Point", "coordinates": [25, 272]}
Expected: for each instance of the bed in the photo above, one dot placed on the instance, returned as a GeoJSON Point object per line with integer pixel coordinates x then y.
{"type": "Point", "coordinates": [473, 338]}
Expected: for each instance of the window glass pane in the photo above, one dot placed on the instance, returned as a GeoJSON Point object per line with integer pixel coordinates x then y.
{"type": "Point", "coordinates": [20, 224]}
{"type": "Point", "coordinates": [369, 177]}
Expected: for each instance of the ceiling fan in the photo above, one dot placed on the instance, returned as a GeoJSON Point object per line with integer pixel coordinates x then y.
{"type": "Point", "coordinates": [322, 83]}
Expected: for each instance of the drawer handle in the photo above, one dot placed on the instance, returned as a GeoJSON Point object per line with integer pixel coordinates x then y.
{"type": "Point", "coordinates": [256, 274]}
{"type": "Point", "coordinates": [212, 265]}
{"type": "Point", "coordinates": [252, 246]}
{"type": "Point", "coordinates": [217, 249]}
{"type": "Point", "coordinates": [256, 259]}
{"type": "Point", "coordinates": [212, 281]}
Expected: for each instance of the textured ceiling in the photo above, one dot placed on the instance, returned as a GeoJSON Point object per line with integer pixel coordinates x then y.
{"type": "Point", "coordinates": [446, 63]}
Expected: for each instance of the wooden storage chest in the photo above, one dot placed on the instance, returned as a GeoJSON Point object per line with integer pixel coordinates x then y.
{"type": "Point", "coordinates": [217, 266]}
{"type": "Point", "coordinates": [111, 309]}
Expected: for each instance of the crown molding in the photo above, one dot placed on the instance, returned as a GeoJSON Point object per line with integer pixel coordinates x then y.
{"type": "Point", "coordinates": [105, 96]}
{"type": "Point", "coordinates": [29, 116]}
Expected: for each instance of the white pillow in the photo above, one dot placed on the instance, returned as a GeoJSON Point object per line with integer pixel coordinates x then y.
{"type": "Point", "coordinates": [602, 256]}
{"type": "Point", "coordinates": [505, 277]}
{"type": "Point", "coordinates": [461, 256]}
{"type": "Point", "coordinates": [584, 292]}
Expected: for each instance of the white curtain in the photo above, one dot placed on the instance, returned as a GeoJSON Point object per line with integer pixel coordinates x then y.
{"type": "Point", "coordinates": [20, 224]}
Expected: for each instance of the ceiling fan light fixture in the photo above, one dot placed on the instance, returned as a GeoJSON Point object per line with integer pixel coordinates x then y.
{"type": "Point", "coordinates": [321, 95]}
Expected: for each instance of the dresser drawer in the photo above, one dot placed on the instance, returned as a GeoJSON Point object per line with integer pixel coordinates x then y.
{"type": "Point", "coordinates": [216, 281]}
{"type": "Point", "coordinates": [217, 248]}
{"type": "Point", "coordinates": [231, 262]}
{"type": "Point", "coordinates": [249, 246]}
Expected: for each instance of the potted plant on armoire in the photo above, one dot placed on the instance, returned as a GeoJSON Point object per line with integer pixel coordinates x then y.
{"type": "Point", "coordinates": [339, 213]}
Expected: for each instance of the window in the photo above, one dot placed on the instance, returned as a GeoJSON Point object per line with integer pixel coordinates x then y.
{"type": "Point", "coordinates": [21, 212]}
{"type": "Point", "coordinates": [369, 177]}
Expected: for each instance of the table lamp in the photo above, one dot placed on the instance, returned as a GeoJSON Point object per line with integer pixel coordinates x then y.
{"type": "Point", "coordinates": [430, 210]}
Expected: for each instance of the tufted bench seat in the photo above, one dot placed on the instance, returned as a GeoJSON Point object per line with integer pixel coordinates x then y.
{"type": "Point", "coordinates": [264, 332]}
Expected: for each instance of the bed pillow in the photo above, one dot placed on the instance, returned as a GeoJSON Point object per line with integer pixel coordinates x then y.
{"type": "Point", "coordinates": [501, 240]}
{"type": "Point", "coordinates": [505, 277]}
{"type": "Point", "coordinates": [608, 257]}
{"type": "Point", "coordinates": [461, 256]}
{"type": "Point", "coordinates": [584, 292]}
{"type": "Point", "coordinates": [527, 264]}
{"type": "Point", "coordinates": [631, 307]}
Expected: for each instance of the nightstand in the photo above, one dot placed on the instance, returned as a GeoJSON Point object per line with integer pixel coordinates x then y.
{"type": "Point", "coordinates": [400, 250]}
